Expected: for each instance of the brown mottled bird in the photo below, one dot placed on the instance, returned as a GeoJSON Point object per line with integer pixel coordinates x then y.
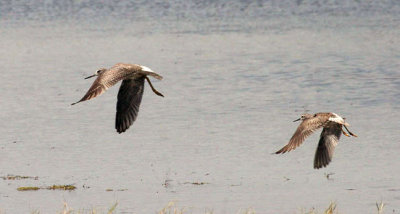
{"type": "Point", "coordinates": [130, 93]}
{"type": "Point", "coordinates": [332, 129]}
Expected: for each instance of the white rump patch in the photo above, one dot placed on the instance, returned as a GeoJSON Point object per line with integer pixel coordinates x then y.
{"type": "Point", "coordinates": [148, 71]}
{"type": "Point", "coordinates": [144, 68]}
{"type": "Point", "coordinates": [337, 119]}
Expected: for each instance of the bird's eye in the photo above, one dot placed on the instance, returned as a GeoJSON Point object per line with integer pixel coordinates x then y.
{"type": "Point", "coordinates": [315, 115]}
{"type": "Point", "coordinates": [98, 71]}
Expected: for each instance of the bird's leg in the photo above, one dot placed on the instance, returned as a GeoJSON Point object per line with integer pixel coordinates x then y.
{"type": "Point", "coordinates": [350, 131]}
{"type": "Point", "coordinates": [345, 133]}
{"type": "Point", "coordinates": [152, 88]}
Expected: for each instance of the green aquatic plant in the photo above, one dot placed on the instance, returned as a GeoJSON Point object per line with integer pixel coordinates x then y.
{"type": "Point", "coordinates": [18, 177]}
{"type": "Point", "coordinates": [61, 187]}
{"type": "Point", "coordinates": [28, 188]}
{"type": "Point", "coordinates": [120, 190]}
{"type": "Point", "coordinates": [53, 187]}
{"type": "Point", "coordinates": [197, 183]}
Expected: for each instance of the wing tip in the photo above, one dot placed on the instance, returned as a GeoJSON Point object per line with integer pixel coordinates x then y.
{"type": "Point", "coordinates": [321, 161]}
{"type": "Point", "coordinates": [282, 151]}
{"type": "Point", "coordinates": [159, 77]}
{"type": "Point", "coordinates": [121, 128]}
{"type": "Point", "coordinates": [320, 165]}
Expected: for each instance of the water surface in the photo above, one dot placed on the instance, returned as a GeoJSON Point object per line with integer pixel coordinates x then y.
{"type": "Point", "coordinates": [235, 76]}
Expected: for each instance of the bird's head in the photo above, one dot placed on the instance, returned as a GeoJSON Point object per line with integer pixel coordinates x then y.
{"type": "Point", "coordinates": [98, 72]}
{"type": "Point", "coordinates": [304, 117]}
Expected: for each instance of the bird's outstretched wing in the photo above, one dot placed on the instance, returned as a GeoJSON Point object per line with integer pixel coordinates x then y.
{"type": "Point", "coordinates": [329, 139]}
{"type": "Point", "coordinates": [104, 81]}
{"type": "Point", "coordinates": [129, 98]}
{"type": "Point", "coordinates": [305, 129]}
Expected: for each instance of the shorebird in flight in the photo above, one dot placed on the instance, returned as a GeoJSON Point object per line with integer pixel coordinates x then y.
{"type": "Point", "coordinates": [130, 92]}
{"type": "Point", "coordinates": [332, 129]}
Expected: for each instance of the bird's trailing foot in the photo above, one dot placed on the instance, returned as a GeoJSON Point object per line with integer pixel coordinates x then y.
{"type": "Point", "coordinates": [152, 88]}
{"type": "Point", "coordinates": [345, 133]}
{"type": "Point", "coordinates": [352, 134]}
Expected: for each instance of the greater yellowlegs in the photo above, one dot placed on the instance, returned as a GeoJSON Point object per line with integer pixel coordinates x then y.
{"type": "Point", "coordinates": [332, 129]}
{"type": "Point", "coordinates": [129, 94]}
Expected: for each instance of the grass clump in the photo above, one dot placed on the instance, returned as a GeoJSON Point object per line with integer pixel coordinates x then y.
{"type": "Point", "coordinates": [112, 208]}
{"type": "Point", "coordinates": [171, 209]}
{"type": "Point", "coordinates": [330, 210]}
{"type": "Point", "coordinates": [248, 211]}
{"type": "Point", "coordinates": [68, 210]}
{"type": "Point", "coordinates": [380, 207]}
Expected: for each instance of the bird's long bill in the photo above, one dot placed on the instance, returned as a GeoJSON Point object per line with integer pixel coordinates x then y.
{"type": "Point", "coordinates": [90, 76]}
{"type": "Point", "coordinates": [296, 120]}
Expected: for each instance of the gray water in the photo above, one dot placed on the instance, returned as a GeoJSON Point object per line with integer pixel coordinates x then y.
{"type": "Point", "coordinates": [235, 76]}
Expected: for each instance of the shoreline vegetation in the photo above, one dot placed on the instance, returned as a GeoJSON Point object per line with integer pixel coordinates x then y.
{"type": "Point", "coordinates": [172, 208]}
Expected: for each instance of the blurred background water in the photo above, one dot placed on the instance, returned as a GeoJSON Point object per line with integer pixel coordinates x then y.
{"type": "Point", "coordinates": [235, 75]}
